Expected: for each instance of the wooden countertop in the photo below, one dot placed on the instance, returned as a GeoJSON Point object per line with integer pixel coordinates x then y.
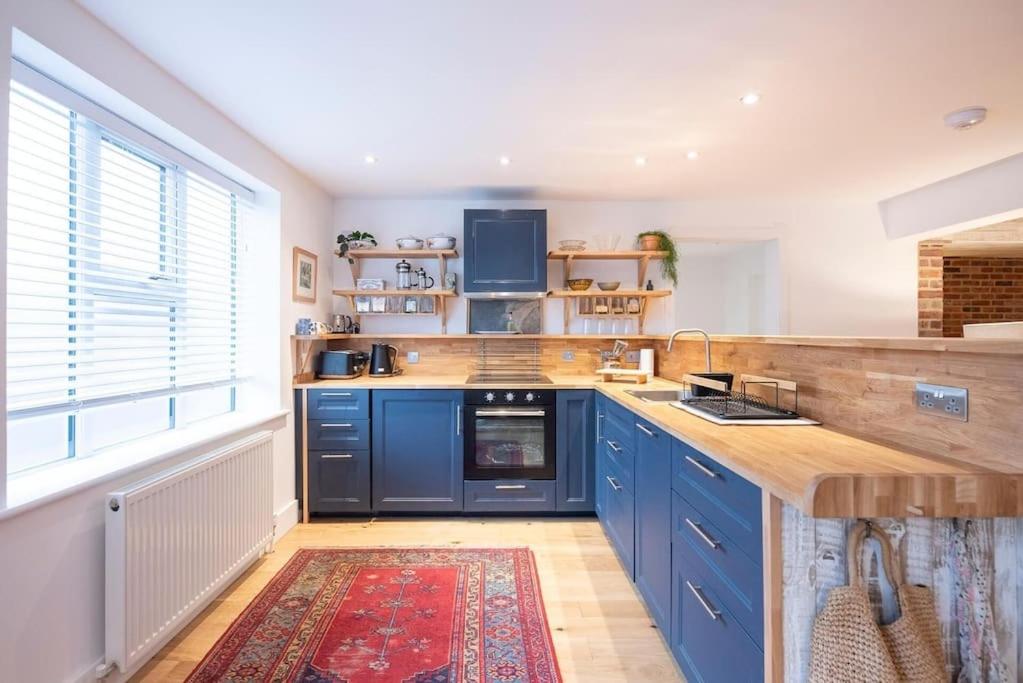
{"type": "Point", "coordinates": [820, 471]}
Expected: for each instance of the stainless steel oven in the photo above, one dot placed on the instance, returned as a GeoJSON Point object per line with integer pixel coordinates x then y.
{"type": "Point", "coordinates": [509, 434]}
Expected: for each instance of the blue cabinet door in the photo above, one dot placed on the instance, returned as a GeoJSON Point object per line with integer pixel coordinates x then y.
{"type": "Point", "coordinates": [653, 520]}
{"type": "Point", "coordinates": [600, 415]}
{"type": "Point", "coordinates": [619, 522]}
{"type": "Point", "coordinates": [574, 455]}
{"type": "Point", "coordinates": [417, 451]}
{"type": "Point", "coordinates": [505, 251]}
{"type": "Point", "coordinates": [339, 482]}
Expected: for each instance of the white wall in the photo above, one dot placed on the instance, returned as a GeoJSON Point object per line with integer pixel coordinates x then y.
{"type": "Point", "coordinates": [840, 275]}
{"type": "Point", "coordinates": [51, 573]}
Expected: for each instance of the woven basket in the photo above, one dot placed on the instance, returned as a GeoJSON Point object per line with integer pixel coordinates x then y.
{"type": "Point", "coordinates": [848, 645]}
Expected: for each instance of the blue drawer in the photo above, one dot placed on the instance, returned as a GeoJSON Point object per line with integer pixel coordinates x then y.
{"type": "Point", "coordinates": [339, 481]}
{"type": "Point", "coordinates": [730, 502]}
{"type": "Point", "coordinates": [620, 464]}
{"type": "Point", "coordinates": [706, 639]}
{"type": "Point", "coordinates": [736, 579]}
{"type": "Point", "coordinates": [512, 495]}
{"type": "Point", "coordinates": [620, 522]}
{"type": "Point", "coordinates": [327, 435]}
{"type": "Point", "coordinates": [620, 426]}
{"type": "Point", "coordinates": [327, 404]}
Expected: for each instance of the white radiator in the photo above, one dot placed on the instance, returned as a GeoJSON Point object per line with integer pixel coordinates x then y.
{"type": "Point", "coordinates": [175, 540]}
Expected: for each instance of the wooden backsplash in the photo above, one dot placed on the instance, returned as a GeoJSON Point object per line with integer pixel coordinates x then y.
{"type": "Point", "coordinates": [859, 389]}
{"type": "Point", "coordinates": [869, 392]}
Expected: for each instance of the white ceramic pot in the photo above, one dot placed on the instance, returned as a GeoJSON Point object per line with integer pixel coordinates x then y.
{"type": "Point", "coordinates": [440, 242]}
{"type": "Point", "coordinates": [409, 243]}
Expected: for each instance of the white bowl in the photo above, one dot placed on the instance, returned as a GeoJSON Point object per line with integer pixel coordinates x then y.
{"type": "Point", "coordinates": [607, 241]}
{"type": "Point", "coordinates": [409, 243]}
{"type": "Point", "coordinates": [440, 242]}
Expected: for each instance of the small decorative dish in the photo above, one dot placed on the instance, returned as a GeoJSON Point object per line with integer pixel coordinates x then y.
{"type": "Point", "coordinates": [360, 244]}
{"type": "Point", "coordinates": [572, 245]}
{"type": "Point", "coordinates": [580, 284]}
{"type": "Point", "coordinates": [409, 243]}
{"type": "Point", "coordinates": [440, 241]}
{"type": "Point", "coordinates": [609, 286]}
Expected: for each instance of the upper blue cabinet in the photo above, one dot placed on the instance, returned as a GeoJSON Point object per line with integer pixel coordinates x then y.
{"type": "Point", "coordinates": [505, 251]}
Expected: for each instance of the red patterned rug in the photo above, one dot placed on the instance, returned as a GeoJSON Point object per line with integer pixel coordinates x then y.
{"type": "Point", "coordinates": [392, 615]}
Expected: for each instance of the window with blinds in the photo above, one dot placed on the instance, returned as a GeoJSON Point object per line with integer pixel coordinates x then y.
{"type": "Point", "coordinates": [122, 288]}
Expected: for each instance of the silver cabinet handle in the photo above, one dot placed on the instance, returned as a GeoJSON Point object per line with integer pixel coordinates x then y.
{"type": "Point", "coordinates": [509, 487]}
{"type": "Point", "coordinates": [600, 427]}
{"type": "Point", "coordinates": [458, 421]}
{"type": "Point", "coordinates": [707, 538]}
{"type": "Point", "coordinates": [645, 430]}
{"type": "Point", "coordinates": [714, 614]}
{"type": "Point", "coordinates": [511, 413]}
{"type": "Point", "coordinates": [337, 456]}
{"type": "Point", "coordinates": [614, 446]}
{"type": "Point", "coordinates": [340, 394]}
{"type": "Point", "coordinates": [614, 484]}
{"type": "Point", "coordinates": [700, 466]}
{"type": "Point", "coordinates": [338, 425]}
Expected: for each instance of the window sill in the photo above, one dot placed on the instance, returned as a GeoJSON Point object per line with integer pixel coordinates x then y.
{"type": "Point", "coordinates": [44, 485]}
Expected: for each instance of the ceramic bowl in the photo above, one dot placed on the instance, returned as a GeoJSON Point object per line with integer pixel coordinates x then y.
{"type": "Point", "coordinates": [609, 286]}
{"type": "Point", "coordinates": [580, 284]}
{"type": "Point", "coordinates": [440, 242]}
{"type": "Point", "coordinates": [409, 243]}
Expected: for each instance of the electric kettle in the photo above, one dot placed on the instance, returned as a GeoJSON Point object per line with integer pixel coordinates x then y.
{"type": "Point", "coordinates": [382, 360]}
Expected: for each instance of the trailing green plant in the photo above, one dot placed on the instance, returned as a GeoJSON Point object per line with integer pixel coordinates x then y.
{"type": "Point", "coordinates": [344, 242]}
{"type": "Point", "coordinates": [669, 264]}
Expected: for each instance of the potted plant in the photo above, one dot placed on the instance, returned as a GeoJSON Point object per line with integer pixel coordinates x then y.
{"type": "Point", "coordinates": [658, 240]}
{"type": "Point", "coordinates": [356, 239]}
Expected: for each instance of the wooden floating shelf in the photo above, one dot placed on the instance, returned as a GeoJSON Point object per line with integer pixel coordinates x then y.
{"type": "Point", "coordinates": [402, 253]}
{"type": "Point", "coordinates": [394, 292]}
{"type": "Point", "coordinates": [642, 293]}
{"type": "Point", "coordinates": [605, 255]}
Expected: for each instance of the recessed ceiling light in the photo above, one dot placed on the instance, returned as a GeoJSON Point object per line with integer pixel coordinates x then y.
{"type": "Point", "coordinates": [640, 161]}
{"type": "Point", "coordinates": [966, 118]}
{"type": "Point", "coordinates": [750, 98]}
{"type": "Point", "coordinates": [369, 159]}
{"type": "Point", "coordinates": [692, 155]}
{"type": "Point", "coordinates": [503, 160]}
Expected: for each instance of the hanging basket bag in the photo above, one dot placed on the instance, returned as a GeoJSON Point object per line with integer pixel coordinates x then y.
{"type": "Point", "coordinates": [848, 645]}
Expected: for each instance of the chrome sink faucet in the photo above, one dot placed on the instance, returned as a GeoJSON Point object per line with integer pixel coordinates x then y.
{"type": "Point", "coordinates": [692, 330]}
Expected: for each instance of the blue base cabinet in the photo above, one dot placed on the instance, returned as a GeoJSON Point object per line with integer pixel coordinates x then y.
{"type": "Point", "coordinates": [417, 450]}
{"type": "Point", "coordinates": [653, 521]}
{"type": "Point", "coordinates": [600, 490]}
{"type": "Point", "coordinates": [574, 453]}
{"type": "Point", "coordinates": [339, 482]}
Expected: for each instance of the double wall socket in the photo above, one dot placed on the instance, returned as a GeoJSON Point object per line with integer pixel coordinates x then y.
{"type": "Point", "coordinates": [950, 402]}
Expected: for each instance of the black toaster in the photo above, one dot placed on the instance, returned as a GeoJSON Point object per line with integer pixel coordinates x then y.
{"type": "Point", "coordinates": [341, 364]}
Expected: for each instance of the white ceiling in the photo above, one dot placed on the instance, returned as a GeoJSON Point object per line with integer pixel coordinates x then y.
{"type": "Point", "coordinates": [854, 91]}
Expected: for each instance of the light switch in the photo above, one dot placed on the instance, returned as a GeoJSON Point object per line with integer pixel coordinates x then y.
{"type": "Point", "coordinates": [412, 357]}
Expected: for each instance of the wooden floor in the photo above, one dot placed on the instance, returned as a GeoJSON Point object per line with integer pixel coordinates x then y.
{"type": "Point", "coordinates": [600, 628]}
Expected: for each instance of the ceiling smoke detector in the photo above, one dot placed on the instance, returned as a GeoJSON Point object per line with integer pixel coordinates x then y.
{"type": "Point", "coordinates": [966, 118]}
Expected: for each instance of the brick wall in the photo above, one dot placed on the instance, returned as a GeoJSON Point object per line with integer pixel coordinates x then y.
{"type": "Point", "coordinates": [929, 291]}
{"type": "Point", "coordinates": [977, 290]}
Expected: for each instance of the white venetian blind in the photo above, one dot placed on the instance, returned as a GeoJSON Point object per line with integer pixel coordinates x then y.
{"type": "Point", "coordinates": [122, 278]}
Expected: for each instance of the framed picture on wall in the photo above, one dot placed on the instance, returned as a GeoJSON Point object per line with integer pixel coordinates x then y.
{"type": "Point", "coordinates": [303, 283]}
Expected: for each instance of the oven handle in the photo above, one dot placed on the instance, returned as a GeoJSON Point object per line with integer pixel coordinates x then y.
{"type": "Point", "coordinates": [511, 413]}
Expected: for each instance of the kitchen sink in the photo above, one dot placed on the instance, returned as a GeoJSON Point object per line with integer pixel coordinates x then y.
{"type": "Point", "coordinates": [658, 395]}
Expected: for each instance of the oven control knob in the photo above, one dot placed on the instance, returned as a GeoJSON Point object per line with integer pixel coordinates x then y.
{"type": "Point", "coordinates": [509, 397]}
{"type": "Point", "coordinates": [530, 397]}
{"type": "Point", "coordinates": [489, 396]}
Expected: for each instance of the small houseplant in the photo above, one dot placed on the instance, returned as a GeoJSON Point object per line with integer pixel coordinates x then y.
{"type": "Point", "coordinates": [356, 239]}
{"type": "Point", "coordinates": [658, 240]}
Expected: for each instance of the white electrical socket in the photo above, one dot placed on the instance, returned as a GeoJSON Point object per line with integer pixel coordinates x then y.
{"type": "Point", "coordinates": [568, 355]}
{"type": "Point", "coordinates": [412, 356]}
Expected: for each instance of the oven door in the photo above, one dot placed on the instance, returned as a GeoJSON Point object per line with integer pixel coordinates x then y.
{"type": "Point", "coordinates": [509, 443]}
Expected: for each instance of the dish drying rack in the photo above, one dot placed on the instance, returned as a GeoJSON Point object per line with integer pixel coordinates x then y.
{"type": "Point", "coordinates": [724, 403]}
{"type": "Point", "coordinates": [508, 360]}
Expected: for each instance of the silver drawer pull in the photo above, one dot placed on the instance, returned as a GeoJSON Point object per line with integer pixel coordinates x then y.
{"type": "Point", "coordinates": [645, 430]}
{"type": "Point", "coordinates": [338, 394]}
{"type": "Point", "coordinates": [337, 456]}
{"type": "Point", "coordinates": [511, 413]}
{"type": "Point", "coordinates": [338, 425]}
{"type": "Point", "coordinates": [700, 466]}
{"type": "Point", "coordinates": [510, 487]}
{"type": "Point", "coordinates": [615, 447]}
{"type": "Point", "coordinates": [714, 614]}
{"type": "Point", "coordinates": [614, 484]}
{"type": "Point", "coordinates": [707, 538]}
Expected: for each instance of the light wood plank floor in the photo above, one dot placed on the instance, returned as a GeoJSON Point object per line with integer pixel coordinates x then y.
{"type": "Point", "coordinates": [601, 630]}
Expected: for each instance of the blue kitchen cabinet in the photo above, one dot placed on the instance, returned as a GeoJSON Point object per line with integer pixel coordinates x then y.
{"type": "Point", "coordinates": [653, 520]}
{"type": "Point", "coordinates": [505, 251]}
{"type": "Point", "coordinates": [574, 454]}
{"type": "Point", "coordinates": [619, 520]}
{"type": "Point", "coordinates": [417, 451]}
{"type": "Point", "coordinates": [600, 413]}
{"type": "Point", "coordinates": [339, 482]}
